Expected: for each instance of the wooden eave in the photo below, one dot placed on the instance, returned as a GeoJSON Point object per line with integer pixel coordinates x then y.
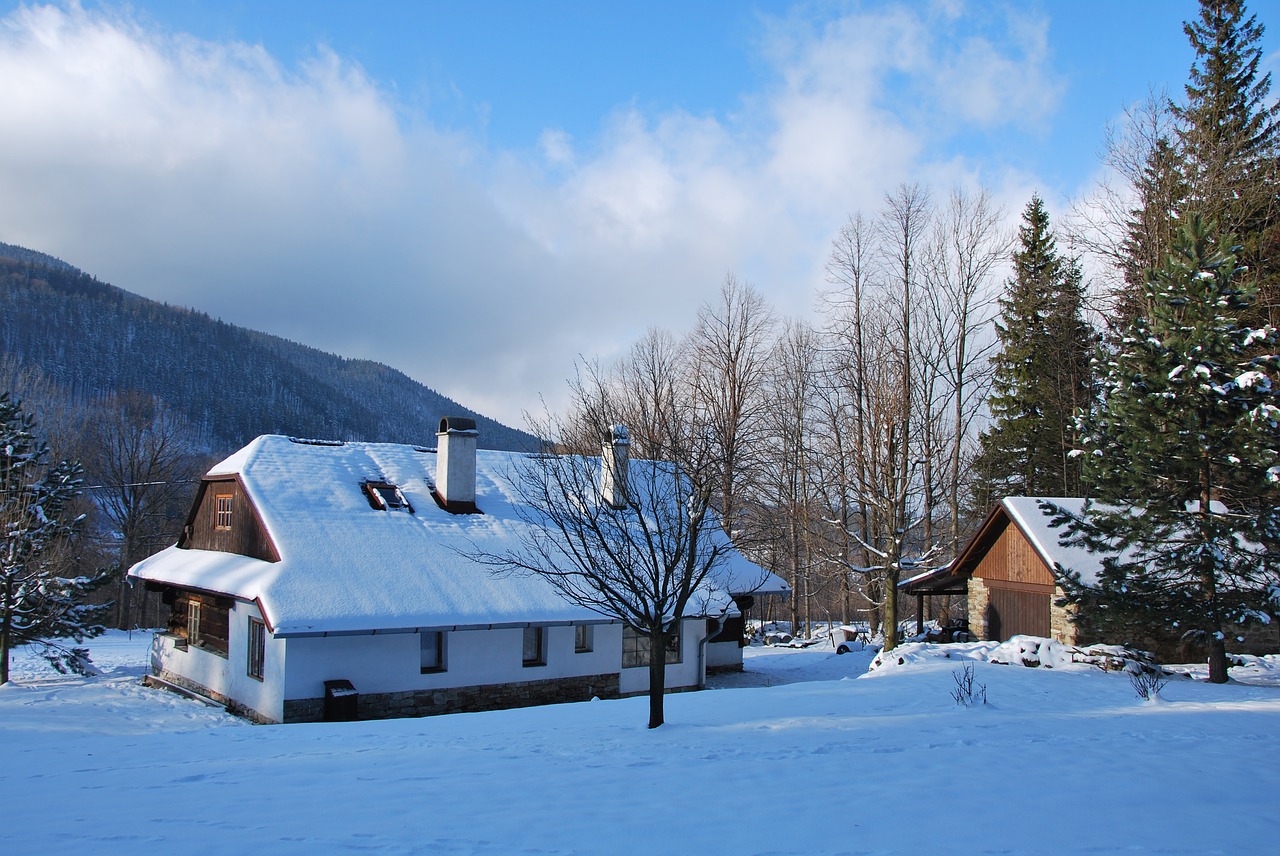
{"type": "Point", "coordinates": [942, 581]}
{"type": "Point", "coordinates": [159, 585]}
{"type": "Point", "coordinates": [156, 585]}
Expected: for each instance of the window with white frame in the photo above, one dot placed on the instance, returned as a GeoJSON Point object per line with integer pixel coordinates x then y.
{"type": "Point", "coordinates": [193, 621]}
{"type": "Point", "coordinates": [257, 647]}
{"type": "Point", "coordinates": [636, 647]}
{"type": "Point", "coordinates": [582, 638]}
{"type": "Point", "coordinates": [431, 647]}
{"type": "Point", "coordinates": [535, 646]}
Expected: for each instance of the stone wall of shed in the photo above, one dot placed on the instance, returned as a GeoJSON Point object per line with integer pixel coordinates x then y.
{"type": "Point", "coordinates": [978, 600]}
{"type": "Point", "coordinates": [1062, 628]}
{"type": "Point", "coordinates": [430, 702]}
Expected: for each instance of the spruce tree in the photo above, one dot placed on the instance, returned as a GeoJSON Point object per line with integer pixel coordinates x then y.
{"type": "Point", "coordinates": [1161, 192]}
{"type": "Point", "coordinates": [1040, 374]}
{"type": "Point", "coordinates": [41, 598]}
{"type": "Point", "coordinates": [1220, 161]}
{"type": "Point", "coordinates": [1183, 460]}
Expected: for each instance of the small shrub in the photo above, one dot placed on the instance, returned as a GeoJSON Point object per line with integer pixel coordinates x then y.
{"type": "Point", "coordinates": [968, 692]}
{"type": "Point", "coordinates": [1148, 683]}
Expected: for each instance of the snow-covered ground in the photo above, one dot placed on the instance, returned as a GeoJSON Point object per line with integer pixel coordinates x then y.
{"type": "Point", "coordinates": [793, 756]}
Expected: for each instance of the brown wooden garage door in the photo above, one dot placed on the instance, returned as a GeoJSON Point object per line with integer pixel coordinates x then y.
{"type": "Point", "coordinates": [1012, 613]}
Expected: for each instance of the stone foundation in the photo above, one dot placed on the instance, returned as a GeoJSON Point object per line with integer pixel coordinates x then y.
{"type": "Point", "coordinates": [413, 703]}
{"type": "Point", "coordinates": [232, 706]}
{"type": "Point", "coordinates": [669, 691]}
{"type": "Point", "coordinates": [189, 685]}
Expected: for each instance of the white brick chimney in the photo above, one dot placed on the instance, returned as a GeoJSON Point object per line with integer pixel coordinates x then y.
{"type": "Point", "coordinates": [456, 463]}
{"type": "Point", "coordinates": [613, 475]}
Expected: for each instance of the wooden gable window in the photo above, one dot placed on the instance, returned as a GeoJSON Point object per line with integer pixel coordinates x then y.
{"type": "Point", "coordinates": [257, 648]}
{"type": "Point", "coordinates": [535, 646]}
{"type": "Point", "coordinates": [222, 511]}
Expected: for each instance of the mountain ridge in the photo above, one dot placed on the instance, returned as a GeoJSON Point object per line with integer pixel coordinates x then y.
{"type": "Point", "coordinates": [232, 383]}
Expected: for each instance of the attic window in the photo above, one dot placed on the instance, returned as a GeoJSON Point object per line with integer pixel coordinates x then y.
{"type": "Point", "coordinates": [222, 511]}
{"type": "Point", "coordinates": [385, 496]}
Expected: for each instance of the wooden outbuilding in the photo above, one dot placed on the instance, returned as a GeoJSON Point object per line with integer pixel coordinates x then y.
{"type": "Point", "coordinates": [1006, 573]}
{"type": "Point", "coordinates": [1008, 569]}
{"type": "Point", "coordinates": [1008, 565]}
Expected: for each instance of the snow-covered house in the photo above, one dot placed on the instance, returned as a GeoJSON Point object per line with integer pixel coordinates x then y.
{"type": "Point", "coordinates": [306, 564]}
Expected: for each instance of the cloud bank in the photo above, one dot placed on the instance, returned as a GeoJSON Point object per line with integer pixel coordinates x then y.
{"type": "Point", "coordinates": [306, 201]}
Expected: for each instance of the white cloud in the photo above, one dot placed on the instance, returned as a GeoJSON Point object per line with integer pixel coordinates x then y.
{"type": "Point", "coordinates": [307, 202]}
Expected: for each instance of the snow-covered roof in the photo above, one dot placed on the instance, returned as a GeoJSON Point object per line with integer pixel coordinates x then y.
{"type": "Point", "coordinates": [1034, 521]}
{"type": "Point", "coordinates": [933, 580]}
{"type": "Point", "coordinates": [346, 567]}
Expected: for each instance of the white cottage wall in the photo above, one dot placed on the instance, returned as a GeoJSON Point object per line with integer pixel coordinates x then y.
{"type": "Point", "coordinates": [388, 663]}
{"type": "Point", "coordinates": [227, 678]}
{"type": "Point", "coordinates": [688, 673]}
{"type": "Point", "coordinates": [724, 655]}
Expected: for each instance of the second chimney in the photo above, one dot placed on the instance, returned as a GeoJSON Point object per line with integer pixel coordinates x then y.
{"type": "Point", "coordinates": [456, 464]}
{"type": "Point", "coordinates": [613, 476]}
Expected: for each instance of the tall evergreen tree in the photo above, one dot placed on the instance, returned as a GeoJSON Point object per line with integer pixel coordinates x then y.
{"type": "Point", "coordinates": [1161, 192]}
{"type": "Point", "coordinates": [1040, 374]}
{"type": "Point", "coordinates": [1221, 161]}
{"type": "Point", "coordinates": [1181, 456]}
{"type": "Point", "coordinates": [1228, 128]}
{"type": "Point", "coordinates": [40, 599]}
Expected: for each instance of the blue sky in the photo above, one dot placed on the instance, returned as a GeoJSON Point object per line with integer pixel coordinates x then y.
{"type": "Point", "coordinates": [528, 182]}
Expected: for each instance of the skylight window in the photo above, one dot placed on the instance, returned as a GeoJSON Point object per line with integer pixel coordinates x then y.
{"type": "Point", "coordinates": [385, 496]}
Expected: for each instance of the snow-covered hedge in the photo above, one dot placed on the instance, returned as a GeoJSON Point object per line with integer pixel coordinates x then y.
{"type": "Point", "coordinates": [1031, 651]}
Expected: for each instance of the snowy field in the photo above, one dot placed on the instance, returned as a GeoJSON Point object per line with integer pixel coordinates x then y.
{"type": "Point", "coordinates": [795, 756]}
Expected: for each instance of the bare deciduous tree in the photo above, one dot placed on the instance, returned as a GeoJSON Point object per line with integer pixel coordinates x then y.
{"type": "Point", "coordinates": [729, 348]}
{"type": "Point", "coordinates": [145, 470]}
{"type": "Point", "coordinates": [644, 554]}
{"type": "Point", "coordinates": [967, 247]}
{"type": "Point", "coordinates": [789, 501]}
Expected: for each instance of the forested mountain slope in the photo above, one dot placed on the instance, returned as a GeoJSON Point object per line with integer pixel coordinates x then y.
{"type": "Point", "coordinates": [92, 338]}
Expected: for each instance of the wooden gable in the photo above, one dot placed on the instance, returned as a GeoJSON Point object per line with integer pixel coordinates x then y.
{"type": "Point", "coordinates": [223, 518]}
{"type": "Point", "coordinates": [1011, 558]}
{"type": "Point", "coordinates": [1014, 591]}
{"type": "Point", "coordinates": [1000, 553]}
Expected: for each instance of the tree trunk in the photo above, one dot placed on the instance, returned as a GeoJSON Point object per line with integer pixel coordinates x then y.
{"type": "Point", "coordinates": [890, 609]}
{"type": "Point", "coordinates": [1208, 572]}
{"type": "Point", "coordinates": [657, 675]}
{"type": "Point", "coordinates": [793, 559]}
{"type": "Point", "coordinates": [124, 600]}
{"type": "Point", "coordinates": [5, 628]}
{"type": "Point", "coordinates": [1217, 660]}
